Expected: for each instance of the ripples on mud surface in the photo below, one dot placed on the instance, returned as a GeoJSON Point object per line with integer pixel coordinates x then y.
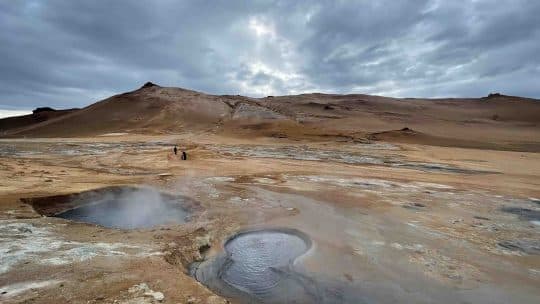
{"type": "Point", "coordinates": [255, 260]}
{"type": "Point", "coordinates": [259, 267]}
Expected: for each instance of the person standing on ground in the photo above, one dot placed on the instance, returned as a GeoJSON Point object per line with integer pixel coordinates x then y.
{"type": "Point", "coordinates": [184, 155]}
{"type": "Point", "coordinates": [175, 150]}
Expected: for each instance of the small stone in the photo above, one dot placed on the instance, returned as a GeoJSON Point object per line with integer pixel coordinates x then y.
{"type": "Point", "coordinates": [192, 300]}
{"type": "Point", "coordinates": [216, 300]}
{"type": "Point", "coordinates": [140, 287]}
{"type": "Point", "coordinates": [481, 218]}
{"type": "Point", "coordinates": [24, 230]}
{"type": "Point", "coordinates": [203, 242]}
{"type": "Point", "coordinates": [158, 296]}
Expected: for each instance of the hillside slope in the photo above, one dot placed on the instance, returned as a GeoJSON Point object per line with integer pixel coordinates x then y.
{"type": "Point", "coordinates": [152, 109]}
{"type": "Point", "coordinates": [495, 122]}
{"type": "Point", "coordinates": [39, 115]}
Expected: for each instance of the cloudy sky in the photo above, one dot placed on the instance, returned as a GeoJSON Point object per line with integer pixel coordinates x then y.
{"type": "Point", "coordinates": [67, 53]}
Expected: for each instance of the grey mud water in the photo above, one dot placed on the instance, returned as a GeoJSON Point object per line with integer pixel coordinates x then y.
{"type": "Point", "coordinates": [121, 207]}
{"type": "Point", "coordinates": [261, 266]}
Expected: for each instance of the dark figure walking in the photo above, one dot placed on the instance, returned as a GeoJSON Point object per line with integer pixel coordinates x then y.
{"type": "Point", "coordinates": [175, 150]}
{"type": "Point", "coordinates": [184, 155]}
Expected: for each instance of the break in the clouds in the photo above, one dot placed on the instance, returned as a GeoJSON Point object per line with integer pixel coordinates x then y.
{"type": "Point", "coordinates": [67, 53]}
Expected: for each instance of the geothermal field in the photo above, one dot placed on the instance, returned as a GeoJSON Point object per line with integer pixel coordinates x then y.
{"type": "Point", "coordinates": [311, 198]}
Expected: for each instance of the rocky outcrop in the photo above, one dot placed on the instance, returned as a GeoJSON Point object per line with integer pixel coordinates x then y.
{"type": "Point", "coordinates": [149, 85]}
{"type": "Point", "coordinates": [246, 111]}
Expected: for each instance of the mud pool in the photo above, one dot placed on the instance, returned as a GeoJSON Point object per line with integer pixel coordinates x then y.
{"type": "Point", "coordinates": [260, 266]}
{"type": "Point", "coordinates": [122, 207]}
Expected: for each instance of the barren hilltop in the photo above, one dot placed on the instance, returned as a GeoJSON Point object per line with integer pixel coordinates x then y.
{"type": "Point", "coordinates": [495, 122]}
{"type": "Point", "coordinates": [165, 195]}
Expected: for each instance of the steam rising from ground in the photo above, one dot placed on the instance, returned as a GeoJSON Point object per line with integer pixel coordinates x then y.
{"type": "Point", "coordinates": [129, 208]}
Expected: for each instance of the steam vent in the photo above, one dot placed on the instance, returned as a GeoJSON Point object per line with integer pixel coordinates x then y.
{"type": "Point", "coordinates": [118, 207]}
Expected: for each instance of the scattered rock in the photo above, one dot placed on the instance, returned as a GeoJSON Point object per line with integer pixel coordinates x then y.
{"type": "Point", "coordinates": [158, 296]}
{"type": "Point", "coordinates": [203, 243]}
{"type": "Point", "coordinates": [534, 200]}
{"type": "Point", "coordinates": [190, 248]}
{"type": "Point", "coordinates": [524, 246]}
{"type": "Point", "coordinates": [279, 135]}
{"type": "Point", "coordinates": [24, 229]}
{"type": "Point", "coordinates": [455, 221]}
{"type": "Point", "coordinates": [192, 300]}
{"type": "Point", "coordinates": [216, 300]}
{"type": "Point", "coordinates": [481, 218]}
{"type": "Point", "coordinates": [253, 111]}
{"type": "Point", "coordinates": [494, 95]}
{"type": "Point", "coordinates": [397, 246]}
{"type": "Point", "coordinates": [142, 289]}
{"type": "Point", "coordinates": [414, 206]}
{"type": "Point", "coordinates": [149, 85]}
{"type": "Point", "coordinates": [43, 109]}
{"type": "Point", "coordinates": [137, 288]}
{"type": "Point", "coordinates": [525, 214]}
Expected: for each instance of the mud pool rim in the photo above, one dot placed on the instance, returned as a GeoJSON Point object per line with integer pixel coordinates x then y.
{"type": "Point", "coordinates": [293, 231]}
{"type": "Point", "coordinates": [132, 187]}
{"type": "Point", "coordinates": [53, 206]}
{"type": "Point", "coordinates": [224, 254]}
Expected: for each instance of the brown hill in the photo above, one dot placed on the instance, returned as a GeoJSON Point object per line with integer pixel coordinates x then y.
{"type": "Point", "coordinates": [39, 115]}
{"type": "Point", "coordinates": [152, 109]}
{"type": "Point", "coordinates": [495, 122]}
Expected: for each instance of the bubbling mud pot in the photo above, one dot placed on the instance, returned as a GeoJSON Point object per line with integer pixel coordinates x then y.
{"type": "Point", "coordinates": [118, 207]}
{"type": "Point", "coordinates": [259, 266]}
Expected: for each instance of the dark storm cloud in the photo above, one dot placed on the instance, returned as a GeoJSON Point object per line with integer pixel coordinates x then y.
{"type": "Point", "coordinates": [70, 53]}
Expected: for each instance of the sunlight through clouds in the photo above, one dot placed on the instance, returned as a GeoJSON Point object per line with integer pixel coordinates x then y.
{"type": "Point", "coordinates": [67, 53]}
